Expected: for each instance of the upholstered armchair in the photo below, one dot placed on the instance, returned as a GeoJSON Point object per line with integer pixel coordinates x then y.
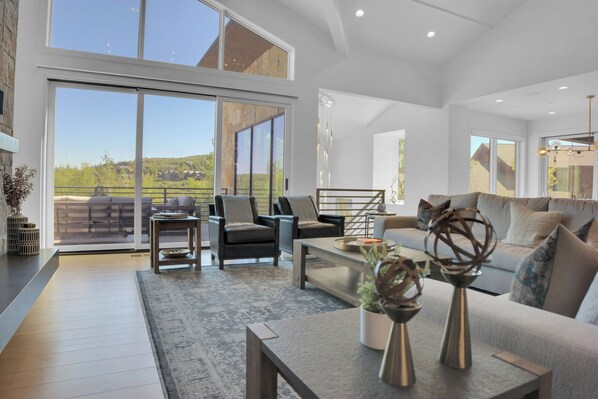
{"type": "Point", "coordinates": [299, 218]}
{"type": "Point", "coordinates": [237, 231]}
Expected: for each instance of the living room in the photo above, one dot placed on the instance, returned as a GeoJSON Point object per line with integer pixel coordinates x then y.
{"type": "Point", "coordinates": [91, 87]}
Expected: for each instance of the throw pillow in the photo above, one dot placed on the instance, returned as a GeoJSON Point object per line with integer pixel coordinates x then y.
{"type": "Point", "coordinates": [588, 311]}
{"type": "Point", "coordinates": [172, 201]}
{"type": "Point", "coordinates": [556, 275]}
{"type": "Point", "coordinates": [528, 228]}
{"type": "Point", "coordinates": [589, 233]}
{"type": "Point", "coordinates": [304, 208]}
{"type": "Point", "coordinates": [427, 212]}
{"type": "Point", "coordinates": [237, 210]}
{"type": "Point", "coordinates": [583, 231]}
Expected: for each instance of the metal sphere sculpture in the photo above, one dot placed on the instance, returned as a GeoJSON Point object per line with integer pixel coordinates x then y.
{"type": "Point", "coordinates": [393, 277]}
{"type": "Point", "coordinates": [466, 257]}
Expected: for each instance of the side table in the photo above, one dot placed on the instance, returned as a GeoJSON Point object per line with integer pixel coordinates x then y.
{"type": "Point", "coordinates": [371, 216]}
{"type": "Point", "coordinates": [193, 226]}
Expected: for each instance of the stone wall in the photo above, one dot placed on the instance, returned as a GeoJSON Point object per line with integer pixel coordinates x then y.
{"type": "Point", "coordinates": [8, 54]}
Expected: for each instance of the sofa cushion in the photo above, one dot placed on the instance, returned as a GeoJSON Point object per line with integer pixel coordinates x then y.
{"type": "Point", "coordinates": [457, 201]}
{"type": "Point", "coordinates": [507, 256]}
{"type": "Point", "coordinates": [497, 210]}
{"type": "Point", "coordinates": [315, 230]}
{"type": "Point", "coordinates": [556, 275]}
{"type": "Point", "coordinates": [247, 233]}
{"type": "Point", "coordinates": [414, 238]}
{"type": "Point", "coordinates": [529, 228]}
{"type": "Point", "coordinates": [427, 212]}
{"type": "Point", "coordinates": [576, 212]}
{"type": "Point", "coordinates": [588, 311]}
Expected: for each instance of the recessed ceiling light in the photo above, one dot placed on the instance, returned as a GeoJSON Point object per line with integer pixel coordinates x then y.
{"type": "Point", "coordinates": [431, 34]}
{"type": "Point", "coordinates": [359, 13]}
{"type": "Point", "coordinates": [551, 113]}
{"type": "Point", "coordinates": [499, 100]}
{"type": "Point", "coordinates": [563, 87]}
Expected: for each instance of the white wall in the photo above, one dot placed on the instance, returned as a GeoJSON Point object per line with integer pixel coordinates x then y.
{"type": "Point", "coordinates": [462, 122]}
{"type": "Point", "coordinates": [426, 157]}
{"type": "Point", "coordinates": [317, 65]}
{"type": "Point", "coordinates": [542, 40]}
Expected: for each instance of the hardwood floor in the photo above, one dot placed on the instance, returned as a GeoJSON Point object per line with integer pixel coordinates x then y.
{"type": "Point", "coordinates": [85, 336]}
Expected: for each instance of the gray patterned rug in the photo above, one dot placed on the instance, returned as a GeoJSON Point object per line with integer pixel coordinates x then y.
{"type": "Point", "coordinates": [197, 322]}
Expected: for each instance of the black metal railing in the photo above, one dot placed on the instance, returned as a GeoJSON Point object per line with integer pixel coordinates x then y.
{"type": "Point", "coordinates": [354, 204]}
{"type": "Point", "coordinates": [159, 195]}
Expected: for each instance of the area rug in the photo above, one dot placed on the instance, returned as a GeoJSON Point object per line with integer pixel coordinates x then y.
{"type": "Point", "coordinates": [197, 321]}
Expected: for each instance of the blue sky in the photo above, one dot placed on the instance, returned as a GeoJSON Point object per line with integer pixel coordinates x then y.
{"type": "Point", "coordinates": [91, 123]}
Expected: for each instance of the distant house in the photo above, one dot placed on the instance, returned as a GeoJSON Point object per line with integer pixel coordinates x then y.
{"type": "Point", "coordinates": [505, 172]}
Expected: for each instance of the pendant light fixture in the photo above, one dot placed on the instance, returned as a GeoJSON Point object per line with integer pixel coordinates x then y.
{"type": "Point", "coordinates": [556, 146]}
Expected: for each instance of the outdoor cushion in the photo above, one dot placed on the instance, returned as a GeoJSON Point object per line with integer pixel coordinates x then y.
{"type": "Point", "coordinates": [248, 233]}
{"type": "Point", "coordinates": [237, 210]}
{"type": "Point", "coordinates": [529, 228]}
{"type": "Point", "coordinates": [314, 230]}
{"type": "Point", "coordinates": [186, 200]}
{"type": "Point", "coordinates": [304, 208]}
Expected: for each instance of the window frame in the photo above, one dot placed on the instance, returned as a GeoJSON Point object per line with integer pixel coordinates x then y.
{"type": "Point", "coordinates": [224, 13]}
{"type": "Point", "coordinates": [543, 169]}
{"type": "Point", "coordinates": [493, 138]}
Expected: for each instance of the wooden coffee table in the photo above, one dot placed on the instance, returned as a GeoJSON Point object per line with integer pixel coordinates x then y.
{"type": "Point", "coordinates": [321, 357]}
{"type": "Point", "coordinates": [341, 281]}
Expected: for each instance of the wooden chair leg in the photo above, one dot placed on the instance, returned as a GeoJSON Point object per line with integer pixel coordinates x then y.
{"type": "Point", "coordinates": [275, 261]}
{"type": "Point", "coordinates": [221, 264]}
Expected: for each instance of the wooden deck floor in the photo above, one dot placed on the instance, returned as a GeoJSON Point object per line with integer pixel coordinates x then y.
{"type": "Point", "coordinates": [85, 336]}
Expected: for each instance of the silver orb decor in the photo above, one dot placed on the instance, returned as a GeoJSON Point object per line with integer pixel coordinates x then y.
{"type": "Point", "coordinates": [461, 271]}
{"type": "Point", "coordinates": [398, 285]}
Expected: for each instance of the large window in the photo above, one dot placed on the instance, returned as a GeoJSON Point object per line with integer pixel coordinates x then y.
{"type": "Point", "coordinates": [493, 166]}
{"type": "Point", "coordinates": [389, 165]}
{"type": "Point", "coordinates": [570, 176]}
{"type": "Point", "coordinates": [183, 32]}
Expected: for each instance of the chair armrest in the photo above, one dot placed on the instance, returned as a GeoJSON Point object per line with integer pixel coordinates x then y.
{"type": "Point", "coordinates": [383, 223]}
{"type": "Point", "coordinates": [215, 219]}
{"type": "Point", "coordinates": [270, 221]}
{"type": "Point", "coordinates": [334, 219]}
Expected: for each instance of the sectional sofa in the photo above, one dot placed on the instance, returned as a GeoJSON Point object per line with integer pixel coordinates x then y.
{"type": "Point", "coordinates": [566, 345]}
{"type": "Point", "coordinates": [498, 273]}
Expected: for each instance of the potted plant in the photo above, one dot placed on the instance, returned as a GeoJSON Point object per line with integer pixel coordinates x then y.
{"type": "Point", "coordinates": [16, 189]}
{"type": "Point", "coordinates": [374, 324]}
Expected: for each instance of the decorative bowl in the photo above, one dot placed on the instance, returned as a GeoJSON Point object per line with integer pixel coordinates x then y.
{"type": "Point", "coordinates": [353, 244]}
{"type": "Point", "coordinates": [175, 253]}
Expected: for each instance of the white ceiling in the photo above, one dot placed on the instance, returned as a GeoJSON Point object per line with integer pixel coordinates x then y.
{"type": "Point", "coordinates": [399, 27]}
{"type": "Point", "coordinates": [352, 111]}
{"type": "Point", "coordinates": [535, 102]}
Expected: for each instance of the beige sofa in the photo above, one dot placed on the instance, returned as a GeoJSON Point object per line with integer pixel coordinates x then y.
{"type": "Point", "coordinates": [567, 346]}
{"type": "Point", "coordinates": [498, 273]}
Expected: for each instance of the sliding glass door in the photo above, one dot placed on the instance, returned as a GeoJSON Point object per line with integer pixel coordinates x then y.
{"type": "Point", "coordinates": [120, 155]}
{"type": "Point", "coordinates": [178, 155]}
{"type": "Point", "coordinates": [94, 167]}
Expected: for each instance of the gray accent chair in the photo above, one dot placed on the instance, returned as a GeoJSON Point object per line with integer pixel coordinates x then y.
{"type": "Point", "coordinates": [299, 218]}
{"type": "Point", "coordinates": [257, 237]}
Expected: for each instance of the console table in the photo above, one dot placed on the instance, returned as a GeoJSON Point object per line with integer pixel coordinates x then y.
{"type": "Point", "coordinates": [193, 226]}
{"type": "Point", "coordinates": [22, 279]}
{"type": "Point", "coordinates": [321, 357]}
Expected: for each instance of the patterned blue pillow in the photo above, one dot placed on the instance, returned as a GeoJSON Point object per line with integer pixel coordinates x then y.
{"type": "Point", "coordinates": [532, 277]}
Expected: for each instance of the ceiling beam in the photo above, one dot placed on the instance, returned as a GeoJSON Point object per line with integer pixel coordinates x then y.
{"type": "Point", "coordinates": [452, 13]}
{"type": "Point", "coordinates": [335, 24]}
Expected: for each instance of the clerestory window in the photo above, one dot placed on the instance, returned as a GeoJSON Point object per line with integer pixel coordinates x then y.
{"type": "Point", "coordinates": [183, 32]}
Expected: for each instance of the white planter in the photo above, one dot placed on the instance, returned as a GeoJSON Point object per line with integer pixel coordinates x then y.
{"type": "Point", "coordinates": [374, 329]}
